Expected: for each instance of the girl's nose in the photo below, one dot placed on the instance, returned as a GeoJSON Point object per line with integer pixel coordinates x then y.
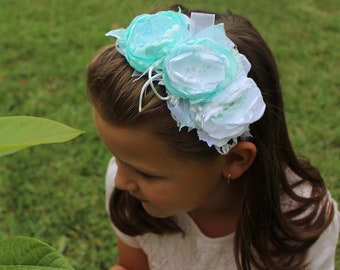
{"type": "Point", "coordinates": [124, 181]}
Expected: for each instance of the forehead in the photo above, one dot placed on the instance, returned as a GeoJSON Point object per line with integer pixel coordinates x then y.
{"type": "Point", "coordinates": [131, 143]}
{"type": "Point", "coordinates": [144, 151]}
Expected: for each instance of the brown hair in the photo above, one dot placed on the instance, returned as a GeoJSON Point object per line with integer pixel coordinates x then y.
{"type": "Point", "coordinates": [266, 237]}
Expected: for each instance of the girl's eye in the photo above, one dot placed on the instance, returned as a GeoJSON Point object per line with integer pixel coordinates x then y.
{"type": "Point", "coordinates": [144, 175]}
{"type": "Point", "coordinates": [136, 171]}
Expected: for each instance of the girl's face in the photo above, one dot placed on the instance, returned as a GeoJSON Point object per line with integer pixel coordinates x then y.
{"type": "Point", "coordinates": [164, 184]}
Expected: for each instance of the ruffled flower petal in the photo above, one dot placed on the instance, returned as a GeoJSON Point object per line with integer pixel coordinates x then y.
{"type": "Point", "coordinates": [206, 78]}
{"type": "Point", "coordinates": [199, 69]}
{"type": "Point", "coordinates": [150, 37]}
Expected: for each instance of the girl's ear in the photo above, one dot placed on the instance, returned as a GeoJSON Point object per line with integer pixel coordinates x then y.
{"type": "Point", "coordinates": [239, 159]}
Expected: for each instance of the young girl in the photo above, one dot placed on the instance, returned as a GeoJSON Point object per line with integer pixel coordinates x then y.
{"type": "Point", "coordinates": [204, 175]}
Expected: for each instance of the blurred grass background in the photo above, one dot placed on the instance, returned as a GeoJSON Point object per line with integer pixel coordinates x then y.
{"type": "Point", "coordinates": [56, 192]}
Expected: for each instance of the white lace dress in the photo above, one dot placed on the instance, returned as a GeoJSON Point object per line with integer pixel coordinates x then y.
{"type": "Point", "coordinates": [197, 251]}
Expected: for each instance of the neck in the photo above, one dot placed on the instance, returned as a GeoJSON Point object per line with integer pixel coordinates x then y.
{"type": "Point", "coordinates": [218, 217]}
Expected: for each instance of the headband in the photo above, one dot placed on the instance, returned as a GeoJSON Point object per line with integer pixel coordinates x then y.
{"type": "Point", "coordinates": [205, 76]}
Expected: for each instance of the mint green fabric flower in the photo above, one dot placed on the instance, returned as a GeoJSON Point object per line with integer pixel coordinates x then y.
{"type": "Point", "coordinates": [150, 37]}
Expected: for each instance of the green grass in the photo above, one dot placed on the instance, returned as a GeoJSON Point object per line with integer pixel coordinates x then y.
{"type": "Point", "coordinates": [56, 192]}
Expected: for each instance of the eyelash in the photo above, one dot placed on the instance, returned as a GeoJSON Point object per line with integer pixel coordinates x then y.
{"type": "Point", "coordinates": [144, 175]}
{"type": "Point", "coordinates": [141, 174]}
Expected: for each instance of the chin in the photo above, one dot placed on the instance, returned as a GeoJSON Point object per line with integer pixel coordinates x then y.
{"type": "Point", "coordinates": [156, 212]}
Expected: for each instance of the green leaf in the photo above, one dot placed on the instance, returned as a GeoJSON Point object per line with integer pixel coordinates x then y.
{"type": "Point", "coordinates": [20, 132]}
{"type": "Point", "coordinates": [23, 253]}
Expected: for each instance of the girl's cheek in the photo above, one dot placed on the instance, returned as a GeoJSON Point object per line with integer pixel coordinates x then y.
{"type": "Point", "coordinates": [156, 197]}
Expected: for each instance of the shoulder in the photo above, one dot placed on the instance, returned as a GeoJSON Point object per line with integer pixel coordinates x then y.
{"type": "Point", "coordinates": [322, 254]}
{"type": "Point", "coordinates": [303, 190]}
{"type": "Point", "coordinates": [305, 202]}
{"type": "Point", "coordinates": [131, 258]}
